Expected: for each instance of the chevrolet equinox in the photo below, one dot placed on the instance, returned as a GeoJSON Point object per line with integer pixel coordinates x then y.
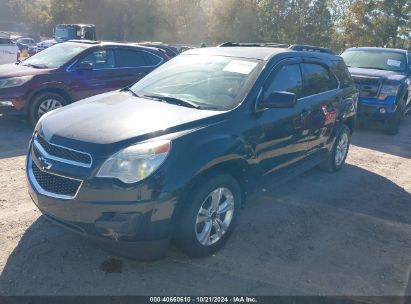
{"type": "Point", "coordinates": [174, 156]}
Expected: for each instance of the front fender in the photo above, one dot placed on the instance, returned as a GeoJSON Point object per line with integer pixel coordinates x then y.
{"type": "Point", "coordinates": [46, 86]}
{"type": "Point", "coordinates": [191, 161]}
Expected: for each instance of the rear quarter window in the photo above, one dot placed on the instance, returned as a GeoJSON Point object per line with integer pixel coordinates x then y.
{"type": "Point", "coordinates": [152, 60]}
{"type": "Point", "coordinates": [341, 71]}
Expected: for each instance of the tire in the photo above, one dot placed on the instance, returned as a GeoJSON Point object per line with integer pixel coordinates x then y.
{"type": "Point", "coordinates": [43, 103]}
{"type": "Point", "coordinates": [199, 215]}
{"type": "Point", "coordinates": [393, 125]}
{"type": "Point", "coordinates": [335, 160]}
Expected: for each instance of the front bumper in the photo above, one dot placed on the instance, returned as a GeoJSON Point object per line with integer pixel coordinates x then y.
{"type": "Point", "coordinates": [374, 109]}
{"type": "Point", "coordinates": [12, 101]}
{"type": "Point", "coordinates": [131, 222]}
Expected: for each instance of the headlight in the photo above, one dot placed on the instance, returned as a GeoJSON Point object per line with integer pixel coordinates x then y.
{"type": "Point", "coordinates": [135, 163]}
{"type": "Point", "coordinates": [388, 90]}
{"type": "Point", "coordinates": [14, 82]}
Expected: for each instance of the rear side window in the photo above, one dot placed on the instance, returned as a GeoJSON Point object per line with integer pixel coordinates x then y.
{"type": "Point", "coordinates": [152, 60]}
{"type": "Point", "coordinates": [317, 79]}
{"type": "Point", "coordinates": [287, 79]}
{"type": "Point", "coordinates": [341, 71]}
{"type": "Point", "coordinates": [131, 58]}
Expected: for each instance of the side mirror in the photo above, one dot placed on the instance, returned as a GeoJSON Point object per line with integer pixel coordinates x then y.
{"type": "Point", "coordinates": [85, 67]}
{"type": "Point", "coordinates": [279, 100]}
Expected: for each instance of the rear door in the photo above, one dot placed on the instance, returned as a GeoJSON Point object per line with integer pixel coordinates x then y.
{"type": "Point", "coordinates": [320, 101]}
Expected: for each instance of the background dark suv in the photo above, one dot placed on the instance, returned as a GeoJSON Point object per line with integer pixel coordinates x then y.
{"type": "Point", "coordinates": [176, 154]}
{"type": "Point", "coordinates": [71, 71]}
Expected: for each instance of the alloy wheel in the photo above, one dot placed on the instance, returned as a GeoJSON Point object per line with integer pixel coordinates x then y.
{"type": "Point", "coordinates": [341, 149]}
{"type": "Point", "coordinates": [214, 216]}
{"type": "Point", "coordinates": [48, 105]}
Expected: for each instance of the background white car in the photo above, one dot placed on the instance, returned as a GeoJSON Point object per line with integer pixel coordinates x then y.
{"type": "Point", "coordinates": [8, 51]}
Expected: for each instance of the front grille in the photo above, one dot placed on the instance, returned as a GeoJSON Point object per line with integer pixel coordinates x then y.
{"type": "Point", "coordinates": [63, 153]}
{"type": "Point", "coordinates": [55, 184]}
{"type": "Point", "coordinates": [368, 87]}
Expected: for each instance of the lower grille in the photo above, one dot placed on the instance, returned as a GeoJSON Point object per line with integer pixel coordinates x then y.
{"type": "Point", "coordinates": [54, 184]}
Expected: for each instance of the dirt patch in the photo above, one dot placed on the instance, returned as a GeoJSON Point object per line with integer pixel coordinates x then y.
{"type": "Point", "coordinates": [320, 234]}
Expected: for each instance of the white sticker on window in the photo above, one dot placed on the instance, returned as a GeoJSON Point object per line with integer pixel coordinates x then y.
{"type": "Point", "coordinates": [239, 66]}
{"type": "Point", "coordinates": [393, 62]}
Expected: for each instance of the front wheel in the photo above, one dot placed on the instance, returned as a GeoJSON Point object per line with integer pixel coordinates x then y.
{"type": "Point", "coordinates": [338, 154]}
{"type": "Point", "coordinates": [209, 216]}
{"type": "Point", "coordinates": [43, 103]}
{"type": "Point", "coordinates": [393, 124]}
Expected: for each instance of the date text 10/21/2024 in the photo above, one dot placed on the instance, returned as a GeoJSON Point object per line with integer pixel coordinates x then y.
{"type": "Point", "coordinates": [204, 299]}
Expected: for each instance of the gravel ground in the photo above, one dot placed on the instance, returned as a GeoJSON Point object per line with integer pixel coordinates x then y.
{"type": "Point", "coordinates": [319, 234]}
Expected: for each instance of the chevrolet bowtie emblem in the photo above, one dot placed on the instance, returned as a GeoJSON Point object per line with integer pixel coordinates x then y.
{"type": "Point", "coordinates": [45, 165]}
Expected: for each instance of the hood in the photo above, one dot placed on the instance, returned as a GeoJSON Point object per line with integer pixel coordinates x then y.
{"type": "Point", "coordinates": [377, 73]}
{"type": "Point", "coordinates": [15, 70]}
{"type": "Point", "coordinates": [116, 116]}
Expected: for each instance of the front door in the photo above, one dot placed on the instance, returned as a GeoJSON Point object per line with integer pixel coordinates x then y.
{"type": "Point", "coordinates": [278, 141]}
{"type": "Point", "coordinates": [99, 78]}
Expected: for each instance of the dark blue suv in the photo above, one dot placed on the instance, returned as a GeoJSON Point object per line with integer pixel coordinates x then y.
{"type": "Point", "coordinates": [382, 77]}
{"type": "Point", "coordinates": [176, 154]}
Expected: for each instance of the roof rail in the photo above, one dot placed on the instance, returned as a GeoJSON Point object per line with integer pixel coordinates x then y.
{"type": "Point", "coordinates": [254, 44]}
{"type": "Point", "coordinates": [84, 41]}
{"type": "Point", "coordinates": [294, 47]}
{"type": "Point", "coordinates": [310, 48]}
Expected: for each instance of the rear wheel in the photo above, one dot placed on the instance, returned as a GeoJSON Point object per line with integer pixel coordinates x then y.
{"type": "Point", "coordinates": [338, 154]}
{"type": "Point", "coordinates": [43, 103]}
{"type": "Point", "coordinates": [210, 215]}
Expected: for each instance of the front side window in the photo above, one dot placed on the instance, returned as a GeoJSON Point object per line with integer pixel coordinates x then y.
{"type": "Point", "coordinates": [287, 79]}
{"type": "Point", "coordinates": [100, 59]}
{"type": "Point", "coordinates": [317, 79]}
{"type": "Point", "coordinates": [55, 56]}
{"type": "Point", "coordinates": [212, 82]}
{"type": "Point", "coordinates": [375, 59]}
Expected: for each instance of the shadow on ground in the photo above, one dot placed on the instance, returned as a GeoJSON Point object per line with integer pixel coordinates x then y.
{"type": "Point", "coordinates": [319, 234]}
{"type": "Point", "coordinates": [15, 135]}
{"type": "Point", "coordinates": [369, 136]}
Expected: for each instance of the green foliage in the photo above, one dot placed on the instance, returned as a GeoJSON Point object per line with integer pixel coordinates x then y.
{"type": "Point", "coordinates": [331, 23]}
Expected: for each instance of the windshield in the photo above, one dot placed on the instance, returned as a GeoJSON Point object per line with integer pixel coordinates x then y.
{"type": "Point", "coordinates": [55, 56]}
{"type": "Point", "coordinates": [65, 33]}
{"type": "Point", "coordinates": [380, 60]}
{"type": "Point", "coordinates": [210, 82]}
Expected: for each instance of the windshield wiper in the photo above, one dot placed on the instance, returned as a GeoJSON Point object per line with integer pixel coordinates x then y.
{"type": "Point", "coordinates": [173, 100]}
{"type": "Point", "coordinates": [36, 66]}
{"type": "Point", "coordinates": [373, 68]}
{"type": "Point", "coordinates": [128, 90]}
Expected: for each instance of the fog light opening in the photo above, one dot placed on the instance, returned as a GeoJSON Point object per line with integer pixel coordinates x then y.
{"type": "Point", "coordinates": [383, 111]}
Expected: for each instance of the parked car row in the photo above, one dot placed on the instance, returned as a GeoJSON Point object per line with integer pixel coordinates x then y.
{"type": "Point", "coordinates": [173, 146]}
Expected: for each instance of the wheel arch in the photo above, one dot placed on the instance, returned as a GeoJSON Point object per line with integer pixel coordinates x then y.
{"type": "Point", "coordinates": [57, 90]}
{"type": "Point", "coordinates": [234, 168]}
